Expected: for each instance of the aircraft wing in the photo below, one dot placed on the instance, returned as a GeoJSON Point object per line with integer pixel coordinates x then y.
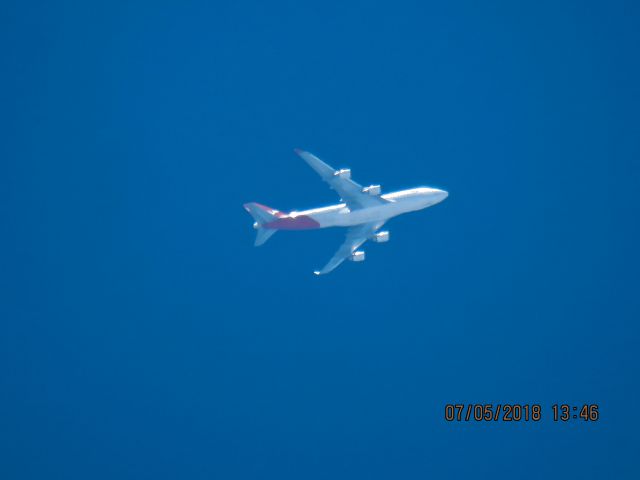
{"type": "Point", "coordinates": [350, 192]}
{"type": "Point", "coordinates": [356, 236]}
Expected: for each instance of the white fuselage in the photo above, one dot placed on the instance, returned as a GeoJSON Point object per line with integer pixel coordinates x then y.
{"type": "Point", "coordinates": [399, 202]}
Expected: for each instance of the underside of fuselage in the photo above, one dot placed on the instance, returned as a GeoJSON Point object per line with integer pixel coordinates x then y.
{"type": "Point", "coordinates": [339, 215]}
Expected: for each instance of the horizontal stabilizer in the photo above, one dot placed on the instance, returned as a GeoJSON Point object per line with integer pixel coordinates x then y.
{"type": "Point", "coordinates": [262, 214]}
{"type": "Point", "coordinates": [263, 235]}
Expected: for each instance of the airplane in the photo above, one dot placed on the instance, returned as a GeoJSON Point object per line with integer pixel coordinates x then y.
{"type": "Point", "coordinates": [363, 211]}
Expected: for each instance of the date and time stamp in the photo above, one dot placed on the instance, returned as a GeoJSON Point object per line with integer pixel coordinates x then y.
{"type": "Point", "coordinates": [520, 412]}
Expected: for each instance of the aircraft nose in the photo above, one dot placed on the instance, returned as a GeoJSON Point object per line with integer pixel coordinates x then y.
{"type": "Point", "coordinates": [441, 194]}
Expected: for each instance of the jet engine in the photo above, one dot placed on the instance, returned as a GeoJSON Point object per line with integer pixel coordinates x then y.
{"type": "Point", "coordinates": [373, 190]}
{"type": "Point", "coordinates": [357, 256]}
{"type": "Point", "coordinates": [343, 173]}
{"type": "Point", "coordinates": [381, 237]}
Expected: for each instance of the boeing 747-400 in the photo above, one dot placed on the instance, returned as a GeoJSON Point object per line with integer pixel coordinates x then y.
{"type": "Point", "coordinates": [363, 211]}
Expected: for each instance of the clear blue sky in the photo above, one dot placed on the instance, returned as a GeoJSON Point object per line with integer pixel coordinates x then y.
{"type": "Point", "coordinates": [143, 336]}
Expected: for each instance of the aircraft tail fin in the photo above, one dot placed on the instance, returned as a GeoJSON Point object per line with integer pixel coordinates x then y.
{"type": "Point", "coordinates": [262, 214]}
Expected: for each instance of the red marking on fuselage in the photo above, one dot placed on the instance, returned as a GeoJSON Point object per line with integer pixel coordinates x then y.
{"type": "Point", "coordinates": [299, 222]}
{"type": "Point", "coordinates": [270, 211]}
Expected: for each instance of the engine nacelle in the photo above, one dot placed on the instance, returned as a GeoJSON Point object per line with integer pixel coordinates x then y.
{"type": "Point", "coordinates": [343, 173]}
{"type": "Point", "coordinates": [381, 237]}
{"type": "Point", "coordinates": [373, 190]}
{"type": "Point", "coordinates": [357, 256]}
